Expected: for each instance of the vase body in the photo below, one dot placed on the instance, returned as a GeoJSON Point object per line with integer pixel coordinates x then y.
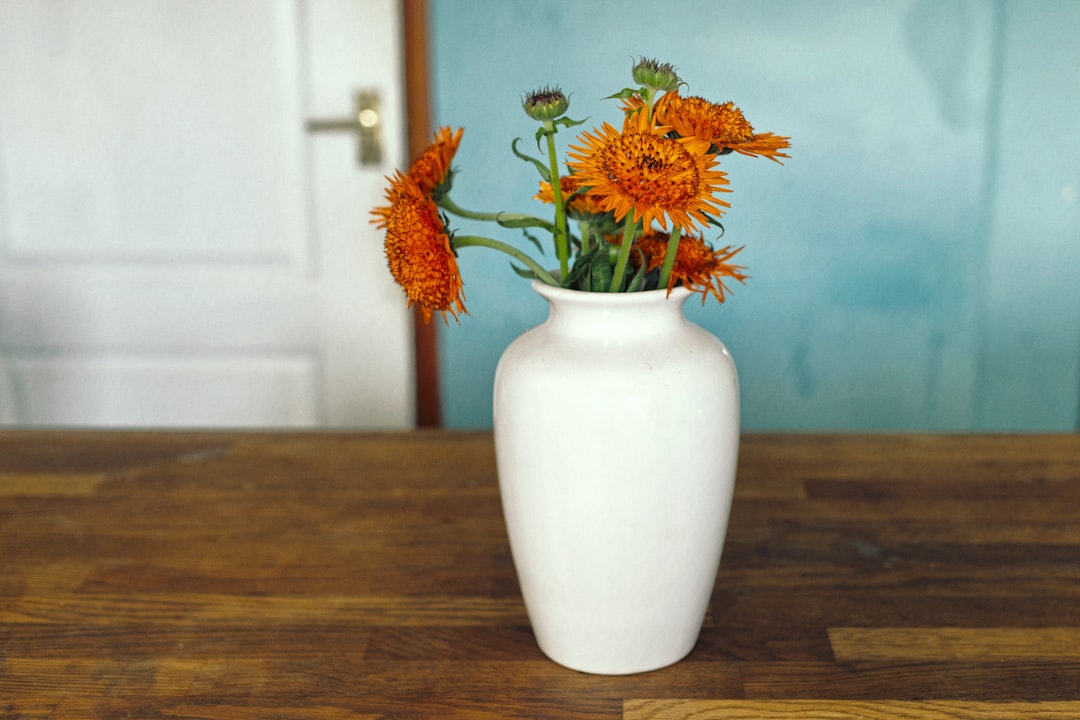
{"type": "Point", "coordinates": [616, 436]}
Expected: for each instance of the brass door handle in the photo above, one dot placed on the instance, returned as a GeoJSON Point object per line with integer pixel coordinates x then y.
{"type": "Point", "coordinates": [366, 122]}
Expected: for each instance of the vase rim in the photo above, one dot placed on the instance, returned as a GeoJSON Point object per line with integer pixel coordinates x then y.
{"type": "Point", "coordinates": [678, 293]}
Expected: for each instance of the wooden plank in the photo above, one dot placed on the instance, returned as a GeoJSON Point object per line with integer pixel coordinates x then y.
{"type": "Point", "coordinates": [772, 609]}
{"type": "Point", "coordinates": [49, 484]}
{"type": "Point", "coordinates": [846, 710]}
{"type": "Point", "coordinates": [91, 677]}
{"type": "Point", "coordinates": [43, 451]}
{"type": "Point", "coordinates": [953, 644]}
{"type": "Point", "coordinates": [182, 609]}
{"type": "Point", "coordinates": [1012, 681]}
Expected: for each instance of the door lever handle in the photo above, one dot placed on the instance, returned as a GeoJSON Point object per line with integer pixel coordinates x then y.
{"type": "Point", "coordinates": [366, 122]}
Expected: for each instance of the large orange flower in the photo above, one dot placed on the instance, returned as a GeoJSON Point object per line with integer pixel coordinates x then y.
{"type": "Point", "coordinates": [724, 126]}
{"type": "Point", "coordinates": [643, 173]}
{"type": "Point", "coordinates": [418, 251]}
{"type": "Point", "coordinates": [430, 171]}
{"type": "Point", "coordinates": [697, 265]}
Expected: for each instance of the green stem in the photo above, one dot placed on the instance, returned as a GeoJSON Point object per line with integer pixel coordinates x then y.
{"type": "Point", "coordinates": [624, 255]}
{"type": "Point", "coordinates": [669, 257]}
{"type": "Point", "coordinates": [562, 245]}
{"type": "Point", "coordinates": [460, 241]}
{"type": "Point", "coordinates": [583, 227]}
{"type": "Point", "coordinates": [450, 206]}
{"type": "Point", "coordinates": [650, 94]}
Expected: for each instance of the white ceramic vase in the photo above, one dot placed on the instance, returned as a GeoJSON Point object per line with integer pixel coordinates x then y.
{"type": "Point", "coordinates": [616, 436]}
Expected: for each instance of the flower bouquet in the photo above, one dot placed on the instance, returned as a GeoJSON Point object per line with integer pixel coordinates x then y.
{"type": "Point", "coordinates": [642, 198]}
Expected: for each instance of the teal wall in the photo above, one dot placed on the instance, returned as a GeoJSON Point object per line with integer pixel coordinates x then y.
{"type": "Point", "coordinates": [914, 264]}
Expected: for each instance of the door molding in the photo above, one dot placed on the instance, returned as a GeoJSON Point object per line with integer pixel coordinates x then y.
{"type": "Point", "coordinates": [418, 135]}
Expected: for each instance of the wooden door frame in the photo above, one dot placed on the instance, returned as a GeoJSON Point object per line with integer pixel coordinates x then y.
{"type": "Point", "coordinates": [418, 135]}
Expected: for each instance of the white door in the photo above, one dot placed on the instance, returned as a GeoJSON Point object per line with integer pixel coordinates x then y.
{"type": "Point", "coordinates": [176, 249]}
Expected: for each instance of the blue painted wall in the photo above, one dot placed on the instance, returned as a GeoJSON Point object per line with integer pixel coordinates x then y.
{"type": "Point", "coordinates": [914, 264]}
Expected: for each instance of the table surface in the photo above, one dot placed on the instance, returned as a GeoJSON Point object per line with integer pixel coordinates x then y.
{"type": "Point", "coordinates": [341, 575]}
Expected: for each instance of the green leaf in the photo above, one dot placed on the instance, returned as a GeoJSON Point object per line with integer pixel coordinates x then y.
{"type": "Point", "coordinates": [516, 220]}
{"type": "Point", "coordinates": [542, 133]}
{"type": "Point", "coordinates": [576, 194]}
{"type": "Point", "coordinates": [716, 222]}
{"type": "Point", "coordinates": [638, 281]}
{"type": "Point", "coordinates": [580, 269]}
{"type": "Point", "coordinates": [600, 275]}
{"type": "Point", "coordinates": [626, 93]}
{"type": "Point", "coordinates": [545, 174]}
{"type": "Point", "coordinates": [523, 272]}
{"type": "Point", "coordinates": [568, 123]}
{"type": "Point", "coordinates": [534, 240]}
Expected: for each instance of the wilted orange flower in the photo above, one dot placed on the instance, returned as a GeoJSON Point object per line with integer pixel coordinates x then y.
{"type": "Point", "coordinates": [380, 215]}
{"type": "Point", "coordinates": [645, 174]}
{"type": "Point", "coordinates": [723, 125]}
{"type": "Point", "coordinates": [418, 251]}
{"type": "Point", "coordinates": [432, 167]}
{"type": "Point", "coordinates": [697, 265]}
{"type": "Point", "coordinates": [577, 206]}
{"type": "Point", "coordinates": [429, 171]}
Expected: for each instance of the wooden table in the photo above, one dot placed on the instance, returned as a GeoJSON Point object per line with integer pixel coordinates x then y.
{"type": "Point", "coordinates": [262, 575]}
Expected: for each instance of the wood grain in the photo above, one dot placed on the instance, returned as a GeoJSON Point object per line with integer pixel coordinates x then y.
{"type": "Point", "coordinates": [956, 644]}
{"type": "Point", "coordinates": [368, 575]}
{"type": "Point", "coordinates": [845, 710]}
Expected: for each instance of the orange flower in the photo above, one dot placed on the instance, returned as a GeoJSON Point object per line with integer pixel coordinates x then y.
{"type": "Point", "coordinates": [432, 167]}
{"type": "Point", "coordinates": [382, 214]}
{"type": "Point", "coordinates": [418, 251]}
{"type": "Point", "coordinates": [645, 174]}
{"type": "Point", "coordinates": [579, 205]}
{"type": "Point", "coordinates": [632, 106]}
{"type": "Point", "coordinates": [724, 126]}
{"type": "Point", "coordinates": [697, 265]}
{"type": "Point", "coordinates": [430, 171]}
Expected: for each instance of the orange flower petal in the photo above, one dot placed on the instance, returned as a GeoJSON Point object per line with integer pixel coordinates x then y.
{"type": "Point", "coordinates": [432, 167]}
{"type": "Point", "coordinates": [643, 173]}
{"type": "Point", "coordinates": [419, 253]}
{"type": "Point", "coordinates": [578, 206]}
{"type": "Point", "coordinates": [723, 125]}
{"type": "Point", "coordinates": [697, 266]}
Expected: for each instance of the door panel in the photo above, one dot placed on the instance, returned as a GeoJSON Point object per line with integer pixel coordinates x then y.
{"type": "Point", "coordinates": [94, 389]}
{"type": "Point", "coordinates": [145, 125]}
{"type": "Point", "coordinates": [175, 249]}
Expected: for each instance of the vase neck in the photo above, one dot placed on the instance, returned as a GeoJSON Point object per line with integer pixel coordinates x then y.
{"type": "Point", "coordinates": [614, 314]}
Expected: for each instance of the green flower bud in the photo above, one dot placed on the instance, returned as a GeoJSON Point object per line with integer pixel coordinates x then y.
{"type": "Point", "coordinates": [656, 75]}
{"type": "Point", "coordinates": [547, 103]}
